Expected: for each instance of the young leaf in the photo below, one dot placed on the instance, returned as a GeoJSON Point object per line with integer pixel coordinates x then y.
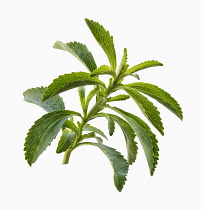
{"type": "Point", "coordinates": [65, 141]}
{"type": "Point", "coordinates": [118, 162]}
{"type": "Point", "coordinates": [123, 65]}
{"type": "Point", "coordinates": [80, 51]}
{"type": "Point", "coordinates": [104, 39]}
{"type": "Point", "coordinates": [160, 95]}
{"type": "Point", "coordinates": [87, 136]}
{"type": "Point", "coordinates": [88, 127]}
{"type": "Point", "coordinates": [104, 69]}
{"type": "Point", "coordinates": [68, 81]}
{"type": "Point", "coordinates": [34, 95]}
{"type": "Point", "coordinates": [143, 65]}
{"type": "Point", "coordinates": [69, 124]}
{"type": "Point", "coordinates": [81, 91]}
{"type": "Point", "coordinates": [121, 97]}
{"type": "Point", "coordinates": [129, 137]}
{"type": "Point", "coordinates": [44, 130]}
{"type": "Point", "coordinates": [111, 123]}
{"type": "Point", "coordinates": [91, 94]}
{"type": "Point", "coordinates": [149, 110]}
{"type": "Point", "coordinates": [146, 136]}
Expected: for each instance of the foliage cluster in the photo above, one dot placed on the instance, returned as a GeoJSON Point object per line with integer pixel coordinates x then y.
{"type": "Point", "coordinates": [76, 127]}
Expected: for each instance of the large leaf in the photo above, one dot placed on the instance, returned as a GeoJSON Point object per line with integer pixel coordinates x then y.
{"type": "Point", "coordinates": [69, 81]}
{"type": "Point", "coordinates": [80, 51]}
{"type": "Point", "coordinates": [34, 95]}
{"type": "Point", "coordinates": [143, 65]}
{"type": "Point", "coordinates": [160, 95]}
{"type": "Point", "coordinates": [104, 69]}
{"type": "Point", "coordinates": [44, 130]}
{"type": "Point", "coordinates": [147, 107]}
{"type": "Point", "coordinates": [104, 39]}
{"type": "Point", "coordinates": [88, 127]}
{"type": "Point", "coordinates": [65, 141]}
{"type": "Point", "coordinates": [129, 137]}
{"type": "Point", "coordinates": [146, 136]}
{"type": "Point", "coordinates": [118, 162]}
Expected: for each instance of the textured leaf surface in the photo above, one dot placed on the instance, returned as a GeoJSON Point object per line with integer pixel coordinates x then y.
{"type": "Point", "coordinates": [104, 39]}
{"type": "Point", "coordinates": [104, 69]}
{"type": "Point", "coordinates": [65, 141]}
{"type": "Point", "coordinates": [146, 136]}
{"type": "Point", "coordinates": [129, 137]}
{"type": "Point", "coordinates": [160, 95]}
{"type": "Point", "coordinates": [80, 51]}
{"type": "Point", "coordinates": [34, 95]}
{"type": "Point", "coordinates": [119, 165]}
{"type": "Point", "coordinates": [68, 81]}
{"type": "Point", "coordinates": [147, 107]}
{"type": "Point", "coordinates": [121, 97]}
{"type": "Point", "coordinates": [88, 127]}
{"type": "Point", "coordinates": [41, 134]}
{"type": "Point", "coordinates": [143, 65]}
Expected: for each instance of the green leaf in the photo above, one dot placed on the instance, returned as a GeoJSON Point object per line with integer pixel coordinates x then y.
{"type": "Point", "coordinates": [104, 39]}
{"type": "Point", "coordinates": [121, 97]}
{"type": "Point", "coordinates": [91, 94]}
{"type": "Point", "coordinates": [160, 95]}
{"type": "Point", "coordinates": [87, 136]}
{"type": "Point", "coordinates": [149, 110]}
{"type": "Point", "coordinates": [81, 91]}
{"type": "Point", "coordinates": [129, 137]}
{"type": "Point", "coordinates": [65, 141]}
{"type": "Point", "coordinates": [88, 127]}
{"type": "Point", "coordinates": [146, 136]}
{"type": "Point", "coordinates": [104, 69]}
{"type": "Point", "coordinates": [80, 51]}
{"type": "Point", "coordinates": [136, 76]}
{"type": "Point", "coordinates": [123, 65]}
{"type": "Point", "coordinates": [111, 126]}
{"type": "Point", "coordinates": [118, 162]}
{"type": "Point", "coordinates": [143, 65]}
{"type": "Point", "coordinates": [69, 124]}
{"type": "Point", "coordinates": [44, 130]}
{"type": "Point", "coordinates": [69, 81]}
{"type": "Point", "coordinates": [34, 95]}
{"type": "Point", "coordinates": [111, 123]}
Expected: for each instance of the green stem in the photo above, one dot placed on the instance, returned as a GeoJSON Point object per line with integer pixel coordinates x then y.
{"type": "Point", "coordinates": [66, 156]}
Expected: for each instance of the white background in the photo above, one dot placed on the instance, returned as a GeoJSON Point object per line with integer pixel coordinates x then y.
{"type": "Point", "coordinates": [168, 31]}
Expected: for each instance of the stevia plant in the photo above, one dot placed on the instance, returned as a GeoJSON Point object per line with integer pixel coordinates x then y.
{"type": "Point", "coordinates": [76, 127]}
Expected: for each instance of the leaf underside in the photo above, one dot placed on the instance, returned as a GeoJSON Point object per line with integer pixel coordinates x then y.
{"type": "Point", "coordinates": [80, 51]}
{"type": "Point", "coordinates": [146, 136]}
{"type": "Point", "coordinates": [129, 137]}
{"type": "Point", "coordinates": [69, 81]}
{"type": "Point", "coordinates": [34, 95]}
{"type": "Point", "coordinates": [118, 162]}
{"type": "Point", "coordinates": [88, 127]}
{"type": "Point", "coordinates": [104, 39]}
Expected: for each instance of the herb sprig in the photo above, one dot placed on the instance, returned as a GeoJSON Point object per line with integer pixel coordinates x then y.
{"type": "Point", "coordinates": [75, 125]}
